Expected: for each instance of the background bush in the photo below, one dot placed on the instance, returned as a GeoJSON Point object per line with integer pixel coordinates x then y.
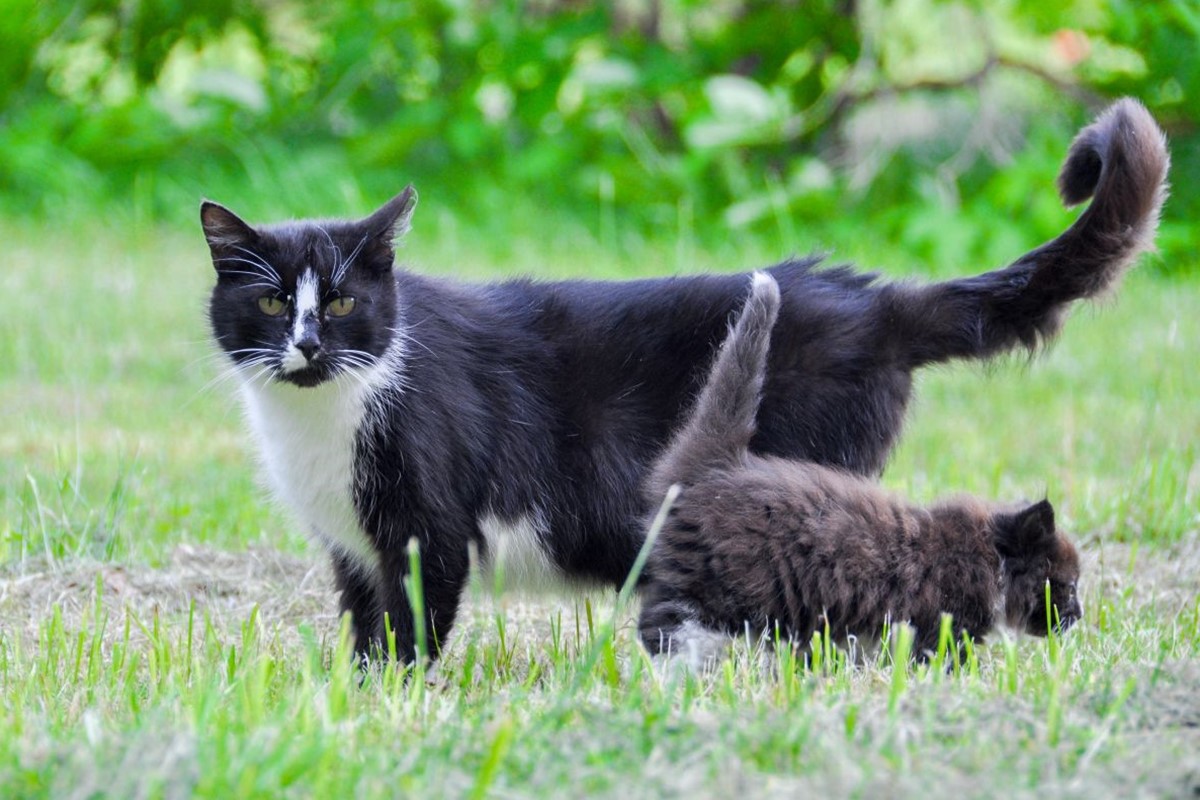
{"type": "Point", "coordinates": [929, 127]}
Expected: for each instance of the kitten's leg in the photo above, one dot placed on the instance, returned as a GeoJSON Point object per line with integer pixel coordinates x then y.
{"type": "Point", "coordinates": [671, 631]}
{"type": "Point", "coordinates": [443, 577]}
{"type": "Point", "coordinates": [360, 599]}
{"type": "Point", "coordinates": [927, 640]}
{"type": "Point", "coordinates": [1120, 161]}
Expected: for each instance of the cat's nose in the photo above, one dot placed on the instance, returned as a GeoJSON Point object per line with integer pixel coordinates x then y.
{"type": "Point", "coordinates": [308, 344]}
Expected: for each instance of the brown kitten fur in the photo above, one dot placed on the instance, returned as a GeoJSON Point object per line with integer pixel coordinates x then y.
{"type": "Point", "coordinates": [756, 543]}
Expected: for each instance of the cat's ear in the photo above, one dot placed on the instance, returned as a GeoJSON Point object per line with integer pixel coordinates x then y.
{"type": "Point", "coordinates": [1026, 531]}
{"type": "Point", "coordinates": [392, 220]}
{"type": "Point", "coordinates": [388, 224]}
{"type": "Point", "coordinates": [224, 229]}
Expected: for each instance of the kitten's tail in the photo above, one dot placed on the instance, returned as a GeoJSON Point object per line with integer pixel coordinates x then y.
{"type": "Point", "coordinates": [1120, 161]}
{"type": "Point", "coordinates": [721, 424]}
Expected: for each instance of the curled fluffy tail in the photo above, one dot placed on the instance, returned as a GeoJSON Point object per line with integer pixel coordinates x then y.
{"type": "Point", "coordinates": [719, 428]}
{"type": "Point", "coordinates": [1120, 161]}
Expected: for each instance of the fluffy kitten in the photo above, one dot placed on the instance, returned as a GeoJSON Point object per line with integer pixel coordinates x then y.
{"type": "Point", "coordinates": [762, 543]}
{"type": "Point", "coordinates": [521, 417]}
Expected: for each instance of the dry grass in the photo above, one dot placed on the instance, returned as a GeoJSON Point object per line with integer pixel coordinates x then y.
{"type": "Point", "coordinates": [291, 590]}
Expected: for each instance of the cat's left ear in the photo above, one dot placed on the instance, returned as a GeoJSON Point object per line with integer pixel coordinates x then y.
{"type": "Point", "coordinates": [385, 227]}
{"type": "Point", "coordinates": [1026, 531]}
{"type": "Point", "coordinates": [394, 218]}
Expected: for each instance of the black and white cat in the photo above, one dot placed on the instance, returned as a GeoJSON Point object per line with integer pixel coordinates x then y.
{"type": "Point", "coordinates": [522, 416]}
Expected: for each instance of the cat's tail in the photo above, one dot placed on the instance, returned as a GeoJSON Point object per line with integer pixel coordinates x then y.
{"type": "Point", "coordinates": [718, 430]}
{"type": "Point", "coordinates": [1120, 161]}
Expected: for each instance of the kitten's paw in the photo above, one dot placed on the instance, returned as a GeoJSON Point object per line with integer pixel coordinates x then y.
{"type": "Point", "coordinates": [691, 647]}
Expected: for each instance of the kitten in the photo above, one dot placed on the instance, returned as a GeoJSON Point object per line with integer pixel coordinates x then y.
{"type": "Point", "coordinates": [520, 417]}
{"type": "Point", "coordinates": [762, 543]}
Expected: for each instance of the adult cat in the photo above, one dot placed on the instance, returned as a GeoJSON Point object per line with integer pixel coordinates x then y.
{"type": "Point", "coordinates": [522, 416]}
{"type": "Point", "coordinates": [762, 544]}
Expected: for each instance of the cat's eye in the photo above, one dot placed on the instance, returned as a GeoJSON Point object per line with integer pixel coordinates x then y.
{"type": "Point", "coordinates": [340, 306]}
{"type": "Point", "coordinates": [271, 306]}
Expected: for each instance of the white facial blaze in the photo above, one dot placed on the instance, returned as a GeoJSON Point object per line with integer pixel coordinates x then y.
{"type": "Point", "coordinates": [307, 301]}
{"type": "Point", "coordinates": [307, 305]}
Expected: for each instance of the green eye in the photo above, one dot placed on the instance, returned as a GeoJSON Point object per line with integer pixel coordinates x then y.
{"type": "Point", "coordinates": [340, 306]}
{"type": "Point", "coordinates": [271, 306]}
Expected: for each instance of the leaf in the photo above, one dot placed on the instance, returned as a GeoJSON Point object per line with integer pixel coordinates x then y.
{"type": "Point", "coordinates": [735, 97]}
{"type": "Point", "coordinates": [606, 75]}
{"type": "Point", "coordinates": [229, 85]}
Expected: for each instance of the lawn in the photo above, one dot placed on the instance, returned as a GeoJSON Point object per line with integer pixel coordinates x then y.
{"type": "Point", "coordinates": [165, 632]}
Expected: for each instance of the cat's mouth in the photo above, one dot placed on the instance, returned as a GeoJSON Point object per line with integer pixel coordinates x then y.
{"type": "Point", "coordinates": [306, 377]}
{"type": "Point", "coordinates": [303, 367]}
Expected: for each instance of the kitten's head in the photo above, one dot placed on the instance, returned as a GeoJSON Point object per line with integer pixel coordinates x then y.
{"type": "Point", "coordinates": [304, 302]}
{"type": "Point", "coordinates": [1035, 554]}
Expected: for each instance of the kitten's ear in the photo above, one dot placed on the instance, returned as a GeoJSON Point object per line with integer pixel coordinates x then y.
{"type": "Point", "coordinates": [224, 229]}
{"type": "Point", "coordinates": [394, 218]}
{"type": "Point", "coordinates": [1026, 531]}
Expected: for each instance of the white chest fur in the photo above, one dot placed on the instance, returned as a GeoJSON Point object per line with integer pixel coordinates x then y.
{"type": "Point", "coordinates": [306, 438]}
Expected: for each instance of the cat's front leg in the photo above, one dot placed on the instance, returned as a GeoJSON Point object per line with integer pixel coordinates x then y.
{"type": "Point", "coordinates": [360, 599]}
{"type": "Point", "coordinates": [443, 575]}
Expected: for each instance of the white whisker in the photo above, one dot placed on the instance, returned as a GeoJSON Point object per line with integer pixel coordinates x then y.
{"type": "Point", "coordinates": [353, 358]}
{"type": "Point", "coordinates": [325, 233]}
{"type": "Point", "coordinates": [404, 335]}
{"type": "Point", "coordinates": [239, 352]}
{"type": "Point", "coordinates": [258, 265]}
{"type": "Point", "coordinates": [256, 270]}
{"type": "Point", "coordinates": [258, 260]}
{"type": "Point", "coordinates": [361, 353]}
{"type": "Point", "coordinates": [271, 281]}
{"type": "Point", "coordinates": [265, 373]}
{"type": "Point", "coordinates": [231, 371]}
{"type": "Point", "coordinates": [337, 256]}
{"type": "Point", "coordinates": [356, 376]}
{"type": "Point", "coordinates": [340, 272]}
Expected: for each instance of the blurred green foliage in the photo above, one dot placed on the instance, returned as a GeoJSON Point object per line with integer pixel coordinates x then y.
{"type": "Point", "coordinates": [932, 127]}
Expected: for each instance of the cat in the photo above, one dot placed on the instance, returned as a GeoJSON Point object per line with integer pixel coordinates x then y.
{"type": "Point", "coordinates": [769, 545]}
{"type": "Point", "coordinates": [519, 418]}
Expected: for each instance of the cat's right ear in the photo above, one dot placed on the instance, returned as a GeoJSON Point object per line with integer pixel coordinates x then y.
{"type": "Point", "coordinates": [224, 229]}
{"type": "Point", "coordinates": [1027, 531]}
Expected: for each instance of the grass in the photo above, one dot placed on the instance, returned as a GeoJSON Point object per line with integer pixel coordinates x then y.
{"type": "Point", "coordinates": [164, 632]}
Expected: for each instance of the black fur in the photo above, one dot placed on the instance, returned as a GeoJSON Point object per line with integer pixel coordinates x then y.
{"type": "Point", "coordinates": [550, 400]}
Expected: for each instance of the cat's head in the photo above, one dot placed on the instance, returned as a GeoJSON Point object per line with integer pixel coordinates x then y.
{"type": "Point", "coordinates": [1035, 555]}
{"type": "Point", "coordinates": [303, 302]}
